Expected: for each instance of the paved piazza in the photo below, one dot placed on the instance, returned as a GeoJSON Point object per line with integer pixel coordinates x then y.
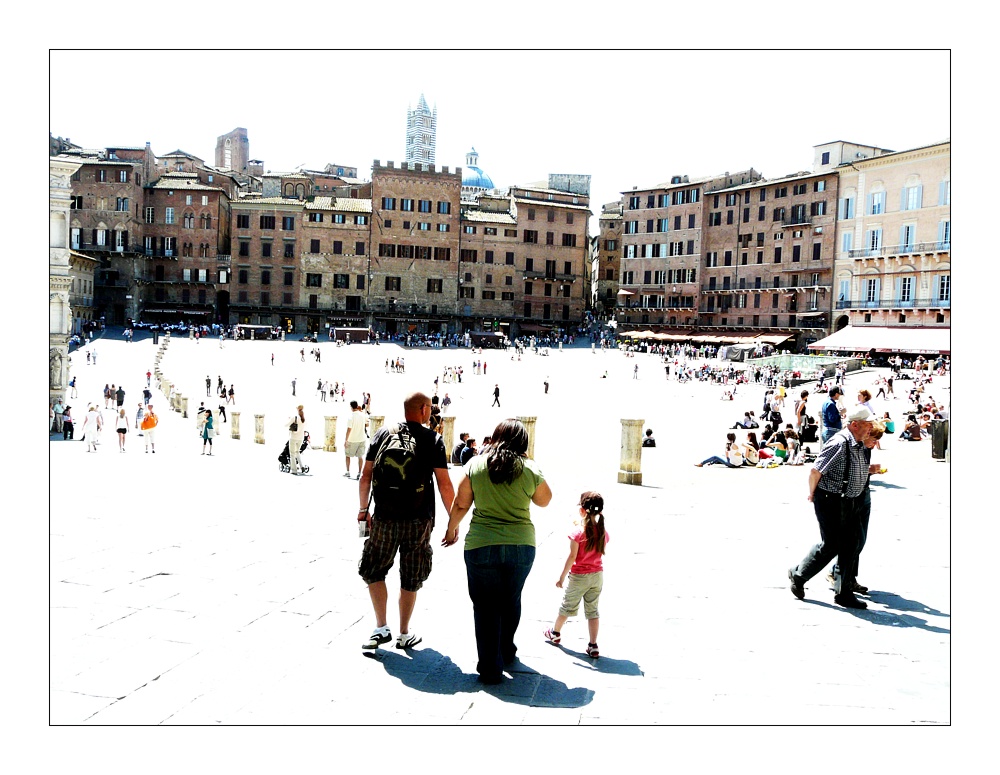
{"type": "Point", "coordinates": [216, 590]}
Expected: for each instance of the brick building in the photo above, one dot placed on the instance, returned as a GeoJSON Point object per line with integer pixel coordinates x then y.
{"type": "Point", "coordinates": [334, 287]}
{"type": "Point", "coordinates": [186, 243]}
{"type": "Point", "coordinates": [767, 257]}
{"type": "Point", "coordinates": [553, 253]}
{"type": "Point", "coordinates": [607, 262]}
{"type": "Point", "coordinates": [105, 225]}
{"type": "Point", "coordinates": [662, 235]}
{"type": "Point", "coordinates": [414, 263]}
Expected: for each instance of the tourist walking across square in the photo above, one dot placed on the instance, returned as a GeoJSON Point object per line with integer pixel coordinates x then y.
{"type": "Point", "coordinates": [399, 468]}
{"type": "Point", "coordinates": [837, 483]}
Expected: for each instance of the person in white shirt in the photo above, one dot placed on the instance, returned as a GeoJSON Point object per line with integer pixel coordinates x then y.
{"type": "Point", "coordinates": [355, 441]}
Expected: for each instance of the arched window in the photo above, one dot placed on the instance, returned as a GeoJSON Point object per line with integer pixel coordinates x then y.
{"type": "Point", "coordinates": [208, 221]}
{"type": "Point", "coordinates": [188, 220]}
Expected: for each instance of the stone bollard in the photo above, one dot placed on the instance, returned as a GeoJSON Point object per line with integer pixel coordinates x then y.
{"type": "Point", "coordinates": [529, 424]}
{"type": "Point", "coordinates": [375, 422]}
{"type": "Point", "coordinates": [258, 429]}
{"type": "Point", "coordinates": [329, 434]}
{"type": "Point", "coordinates": [191, 334]}
{"type": "Point", "coordinates": [448, 433]}
{"type": "Point", "coordinates": [234, 426]}
{"type": "Point", "coordinates": [184, 406]}
{"type": "Point", "coordinates": [631, 455]}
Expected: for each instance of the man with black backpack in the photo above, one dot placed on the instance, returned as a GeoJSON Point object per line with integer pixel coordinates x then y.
{"type": "Point", "coordinates": [399, 467]}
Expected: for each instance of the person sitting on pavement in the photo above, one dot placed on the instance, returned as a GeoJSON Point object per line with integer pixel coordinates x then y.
{"type": "Point", "coordinates": [912, 430]}
{"type": "Point", "coordinates": [734, 455]}
{"type": "Point", "coordinates": [470, 451]}
{"type": "Point", "coordinates": [748, 421]}
{"type": "Point", "coordinates": [456, 453]}
{"type": "Point", "coordinates": [649, 441]}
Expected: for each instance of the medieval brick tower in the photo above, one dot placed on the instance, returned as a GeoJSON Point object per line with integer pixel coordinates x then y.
{"type": "Point", "coordinates": [232, 151]}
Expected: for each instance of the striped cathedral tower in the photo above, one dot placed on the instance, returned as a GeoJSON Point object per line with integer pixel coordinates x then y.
{"type": "Point", "coordinates": [421, 132]}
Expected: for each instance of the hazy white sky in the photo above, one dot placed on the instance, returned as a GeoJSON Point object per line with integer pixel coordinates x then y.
{"type": "Point", "coordinates": [625, 118]}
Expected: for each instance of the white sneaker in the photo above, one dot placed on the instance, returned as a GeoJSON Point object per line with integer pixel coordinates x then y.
{"type": "Point", "coordinates": [379, 636]}
{"type": "Point", "coordinates": [408, 640]}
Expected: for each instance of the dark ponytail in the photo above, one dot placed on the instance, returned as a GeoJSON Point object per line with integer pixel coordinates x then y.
{"type": "Point", "coordinates": [593, 524]}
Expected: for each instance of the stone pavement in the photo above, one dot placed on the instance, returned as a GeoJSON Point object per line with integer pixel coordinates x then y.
{"type": "Point", "coordinates": [216, 590]}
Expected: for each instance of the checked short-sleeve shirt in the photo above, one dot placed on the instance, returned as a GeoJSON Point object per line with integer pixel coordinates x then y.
{"type": "Point", "coordinates": [843, 449]}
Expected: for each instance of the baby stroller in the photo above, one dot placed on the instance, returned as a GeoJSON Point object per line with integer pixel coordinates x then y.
{"type": "Point", "coordinates": [284, 459]}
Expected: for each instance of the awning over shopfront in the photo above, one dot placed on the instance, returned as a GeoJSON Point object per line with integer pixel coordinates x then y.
{"type": "Point", "coordinates": [890, 339]}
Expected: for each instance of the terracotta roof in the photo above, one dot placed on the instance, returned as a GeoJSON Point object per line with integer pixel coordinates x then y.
{"type": "Point", "coordinates": [352, 205]}
{"type": "Point", "coordinates": [109, 162]}
{"type": "Point", "coordinates": [479, 216]}
{"type": "Point", "coordinates": [268, 200]}
{"type": "Point", "coordinates": [552, 203]}
{"type": "Point", "coordinates": [185, 184]}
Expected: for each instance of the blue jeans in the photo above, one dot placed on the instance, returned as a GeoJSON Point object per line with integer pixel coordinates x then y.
{"type": "Point", "coordinates": [496, 577]}
{"type": "Point", "coordinates": [716, 460]}
{"type": "Point", "coordinates": [827, 434]}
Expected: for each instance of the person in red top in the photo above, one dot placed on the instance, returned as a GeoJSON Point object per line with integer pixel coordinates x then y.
{"type": "Point", "coordinates": [585, 567]}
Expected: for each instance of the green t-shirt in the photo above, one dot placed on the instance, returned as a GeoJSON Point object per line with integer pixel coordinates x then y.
{"type": "Point", "coordinates": [500, 512]}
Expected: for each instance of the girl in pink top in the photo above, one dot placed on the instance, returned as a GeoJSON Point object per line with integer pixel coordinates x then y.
{"type": "Point", "coordinates": [586, 571]}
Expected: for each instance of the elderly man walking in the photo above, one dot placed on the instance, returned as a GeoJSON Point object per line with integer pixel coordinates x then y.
{"type": "Point", "coordinates": [836, 488]}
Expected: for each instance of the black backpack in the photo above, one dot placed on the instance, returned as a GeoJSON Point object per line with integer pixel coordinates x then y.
{"type": "Point", "coordinates": [399, 481]}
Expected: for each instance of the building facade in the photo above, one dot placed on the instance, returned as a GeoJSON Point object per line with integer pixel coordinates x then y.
{"type": "Point", "coordinates": [414, 262]}
{"type": "Point", "coordinates": [767, 265]}
{"type": "Point", "coordinates": [893, 247]}
{"type": "Point", "coordinates": [662, 235]}
{"type": "Point", "coordinates": [61, 170]}
{"type": "Point", "coordinates": [606, 267]}
{"type": "Point", "coordinates": [107, 200]}
{"type": "Point", "coordinates": [186, 246]}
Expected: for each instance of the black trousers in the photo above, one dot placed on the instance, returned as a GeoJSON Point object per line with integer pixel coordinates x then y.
{"type": "Point", "coordinates": [840, 534]}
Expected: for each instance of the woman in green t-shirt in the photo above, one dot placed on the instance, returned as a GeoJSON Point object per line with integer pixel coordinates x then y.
{"type": "Point", "coordinates": [500, 544]}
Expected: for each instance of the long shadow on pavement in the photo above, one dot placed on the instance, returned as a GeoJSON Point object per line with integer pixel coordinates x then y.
{"type": "Point", "coordinates": [886, 485]}
{"type": "Point", "coordinates": [603, 664]}
{"type": "Point", "coordinates": [427, 670]}
{"type": "Point", "coordinates": [885, 618]}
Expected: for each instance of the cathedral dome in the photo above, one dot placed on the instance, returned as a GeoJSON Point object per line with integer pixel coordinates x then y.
{"type": "Point", "coordinates": [472, 175]}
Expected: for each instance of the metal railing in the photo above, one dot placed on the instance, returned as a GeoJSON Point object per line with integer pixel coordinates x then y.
{"type": "Point", "coordinates": [894, 303]}
{"type": "Point", "coordinates": [901, 250]}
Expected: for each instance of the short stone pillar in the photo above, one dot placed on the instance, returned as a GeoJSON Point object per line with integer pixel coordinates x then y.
{"type": "Point", "coordinates": [560, 346]}
{"type": "Point", "coordinates": [329, 434]}
{"type": "Point", "coordinates": [258, 429]}
{"type": "Point", "coordinates": [375, 422]}
{"type": "Point", "coordinates": [448, 433]}
{"type": "Point", "coordinates": [184, 406]}
{"type": "Point", "coordinates": [191, 334]}
{"type": "Point", "coordinates": [529, 424]}
{"type": "Point", "coordinates": [282, 336]}
{"type": "Point", "coordinates": [631, 454]}
{"type": "Point", "coordinates": [234, 426]}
